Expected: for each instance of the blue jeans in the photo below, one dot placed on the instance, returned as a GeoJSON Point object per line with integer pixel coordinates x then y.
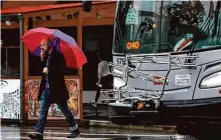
{"type": "Point", "coordinates": [44, 106]}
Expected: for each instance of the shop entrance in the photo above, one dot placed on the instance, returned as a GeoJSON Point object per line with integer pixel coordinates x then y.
{"type": "Point", "coordinates": [96, 40]}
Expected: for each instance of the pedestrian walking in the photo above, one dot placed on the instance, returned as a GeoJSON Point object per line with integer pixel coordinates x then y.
{"type": "Point", "coordinates": [53, 90]}
{"type": "Point", "coordinates": [57, 51]}
{"type": "Point", "coordinates": [104, 78]}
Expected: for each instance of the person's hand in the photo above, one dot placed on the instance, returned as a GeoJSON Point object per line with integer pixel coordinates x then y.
{"type": "Point", "coordinates": [45, 70]}
{"type": "Point", "coordinates": [99, 80]}
{"type": "Point", "coordinates": [42, 54]}
{"type": "Point", "coordinates": [98, 84]}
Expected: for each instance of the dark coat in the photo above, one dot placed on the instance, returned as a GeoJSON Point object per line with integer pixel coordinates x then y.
{"type": "Point", "coordinates": [58, 92]}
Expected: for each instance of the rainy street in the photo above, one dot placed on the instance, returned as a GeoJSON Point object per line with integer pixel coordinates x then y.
{"type": "Point", "coordinates": [14, 132]}
{"type": "Point", "coordinates": [91, 133]}
{"type": "Point", "coordinates": [111, 69]}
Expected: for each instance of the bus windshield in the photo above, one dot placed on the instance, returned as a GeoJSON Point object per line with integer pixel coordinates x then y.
{"type": "Point", "coordinates": [166, 26]}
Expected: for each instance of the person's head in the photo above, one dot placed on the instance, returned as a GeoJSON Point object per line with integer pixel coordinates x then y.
{"type": "Point", "coordinates": [44, 45]}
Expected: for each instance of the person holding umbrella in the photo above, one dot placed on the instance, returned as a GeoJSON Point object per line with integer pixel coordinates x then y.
{"type": "Point", "coordinates": [53, 52]}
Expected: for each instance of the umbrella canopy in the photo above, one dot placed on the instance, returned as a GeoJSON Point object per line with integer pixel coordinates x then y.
{"type": "Point", "coordinates": [73, 54]}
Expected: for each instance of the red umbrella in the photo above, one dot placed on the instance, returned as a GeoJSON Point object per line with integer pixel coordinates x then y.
{"type": "Point", "coordinates": [73, 54]}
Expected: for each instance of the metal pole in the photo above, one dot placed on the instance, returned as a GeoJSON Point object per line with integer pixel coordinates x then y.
{"type": "Point", "coordinates": [161, 16]}
{"type": "Point", "coordinates": [21, 25]}
{"type": "Point", "coordinates": [1, 4]}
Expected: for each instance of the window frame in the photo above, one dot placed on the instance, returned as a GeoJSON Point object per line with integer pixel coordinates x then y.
{"type": "Point", "coordinates": [6, 63]}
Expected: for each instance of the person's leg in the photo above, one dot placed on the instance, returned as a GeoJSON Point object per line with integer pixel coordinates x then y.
{"type": "Point", "coordinates": [94, 103]}
{"type": "Point", "coordinates": [44, 106]}
{"type": "Point", "coordinates": [97, 94]}
{"type": "Point", "coordinates": [107, 83]}
{"type": "Point", "coordinates": [70, 119]}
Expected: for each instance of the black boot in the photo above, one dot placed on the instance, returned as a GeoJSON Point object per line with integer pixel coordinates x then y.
{"type": "Point", "coordinates": [74, 134]}
{"type": "Point", "coordinates": [35, 136]}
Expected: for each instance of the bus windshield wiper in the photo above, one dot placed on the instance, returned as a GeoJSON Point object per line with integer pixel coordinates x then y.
{"type": "Point", "coordinates": [120, 21]}
{"type": "Point", "coordinates": [216, 17]}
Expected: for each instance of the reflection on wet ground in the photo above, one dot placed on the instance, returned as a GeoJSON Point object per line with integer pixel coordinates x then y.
{"type": "Point", "coordinates": [92, 133]}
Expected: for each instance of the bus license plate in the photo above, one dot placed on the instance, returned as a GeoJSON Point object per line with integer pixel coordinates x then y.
{"type": "Point", "coordinates": [182, 80]}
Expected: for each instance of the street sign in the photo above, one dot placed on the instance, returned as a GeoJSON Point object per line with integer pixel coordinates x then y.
{"type": "Point", "coordinates": [132, 16]}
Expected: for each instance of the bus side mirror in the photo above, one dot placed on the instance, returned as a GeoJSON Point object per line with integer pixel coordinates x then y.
{"type": "Point", "coordinates": [86, 5]}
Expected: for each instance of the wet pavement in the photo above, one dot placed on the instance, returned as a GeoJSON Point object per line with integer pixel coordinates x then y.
{"type": "Point", "coordinates": [91, 133]}
{"type": "Point", "coordinates": [95, 113]}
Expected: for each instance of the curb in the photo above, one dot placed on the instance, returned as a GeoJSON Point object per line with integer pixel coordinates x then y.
{"type": "Point", "coordinates": [109, 124]}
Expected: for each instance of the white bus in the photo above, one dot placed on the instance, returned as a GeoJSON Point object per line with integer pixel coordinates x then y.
{"type": "Point", "coordinates": [167, 59]}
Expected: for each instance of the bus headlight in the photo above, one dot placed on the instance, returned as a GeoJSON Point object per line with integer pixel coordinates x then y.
{"type": "Point", "coordinates": [118, 83]}
{"type": "Point", "coordinates": [211, 81]}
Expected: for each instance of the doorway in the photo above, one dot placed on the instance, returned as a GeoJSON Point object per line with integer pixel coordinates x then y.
{"type": "Point", "coordinates": [96, 40]}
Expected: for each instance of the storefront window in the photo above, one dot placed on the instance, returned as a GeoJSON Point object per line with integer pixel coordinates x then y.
{"type": "Point", "coordinates": [10, 62]}
{"type": "Point", "coordinates": [10, 74]}
{"type": "Point", "coordinates": [10, 54]}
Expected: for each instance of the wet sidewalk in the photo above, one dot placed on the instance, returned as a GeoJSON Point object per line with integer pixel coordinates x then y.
{"type": "Point", "coordinates": [98, 116]}
{"type": "Point", "coordinates": [90, 133]}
